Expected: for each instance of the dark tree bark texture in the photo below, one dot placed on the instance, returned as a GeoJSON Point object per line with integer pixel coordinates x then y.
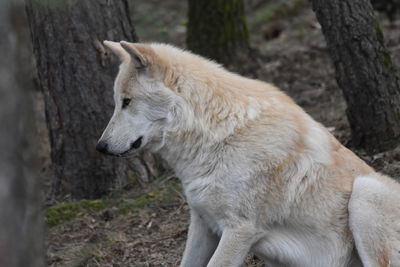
{"type": "Point", "coordinates": [76, 75]}
{"type": "Point", "coordinates": [21, 229]}
{"type": "Point", "coordinates": [217, 29]}
{"type": "Point", "coordinates": [364, 71]}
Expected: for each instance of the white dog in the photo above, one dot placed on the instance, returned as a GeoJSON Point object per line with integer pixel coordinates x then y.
{"type": "Point", "coordinates": [259, 174]}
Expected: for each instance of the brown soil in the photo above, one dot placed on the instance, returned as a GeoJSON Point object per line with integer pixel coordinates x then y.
{"type": "Point", "coordinates": [294, 57]}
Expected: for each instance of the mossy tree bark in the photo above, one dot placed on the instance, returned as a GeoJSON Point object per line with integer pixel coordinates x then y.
{"type": "Point", "coordinates": [21, 228]}
{"type": "Point", "coordinates": [364, 71]}
{"type": "Point", "coordinates": [217, 29]}
{"type": "Point", "coordinates": [76, 75]}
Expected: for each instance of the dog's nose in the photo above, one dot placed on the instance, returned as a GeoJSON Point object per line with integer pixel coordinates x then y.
{"type": "Point", "coordinates": [102, 147]}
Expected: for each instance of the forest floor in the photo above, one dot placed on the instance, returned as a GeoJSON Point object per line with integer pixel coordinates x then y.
{"type": "Point", "coordinates": [149, 228]}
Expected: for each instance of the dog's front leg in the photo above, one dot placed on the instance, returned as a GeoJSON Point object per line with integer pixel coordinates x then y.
{"type": "Point", "coordinates": [233, 248]}
{"type": "Point", "coordinates": [200, 245]}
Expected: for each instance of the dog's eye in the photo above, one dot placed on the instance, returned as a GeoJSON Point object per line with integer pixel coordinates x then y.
{"type": "Point", "coordinates": [125, 102]}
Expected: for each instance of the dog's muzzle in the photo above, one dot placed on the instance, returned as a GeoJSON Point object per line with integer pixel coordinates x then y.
{"type": "Point", "coordinates": [102, 147]}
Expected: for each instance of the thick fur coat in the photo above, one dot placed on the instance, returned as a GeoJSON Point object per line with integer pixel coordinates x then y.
{"type": "Point", "coordinates": [260, 175]}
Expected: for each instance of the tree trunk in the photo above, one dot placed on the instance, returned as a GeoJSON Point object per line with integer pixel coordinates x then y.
{"type": "Point", "coordinates": [21, 233]}
{"type": "Point", "coordinates": [76, 75]}
{"type": "Point", "coordinates": [364, 71]}
{"type": "Point", "coordinates": [217, 29]}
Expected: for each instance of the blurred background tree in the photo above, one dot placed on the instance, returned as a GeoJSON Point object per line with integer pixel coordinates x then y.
{"type": "Point", "coordinates": [389, 7]}
{"type": "Point", "coordinates": [76, 76]}
{"type": "Point", "coordinates": [364, 71]}
{"type": "Point", "coordinates": [21, 229]}
{"type": "Point", "coordinates": [217, 29]}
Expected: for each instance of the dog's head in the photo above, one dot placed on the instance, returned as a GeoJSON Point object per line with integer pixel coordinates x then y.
{"type": "Point", "coordinates": [142, 102]}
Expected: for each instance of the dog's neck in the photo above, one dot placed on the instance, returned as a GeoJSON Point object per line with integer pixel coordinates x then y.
{"type": "Point", "coordinates": [202, 122]}
{"type": "Point", "coordinates": [190, 142]}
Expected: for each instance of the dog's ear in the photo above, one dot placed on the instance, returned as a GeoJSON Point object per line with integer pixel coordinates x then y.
{"type": "Point", "coordinates": [137, 58]}
{"type": "Point", "coordinates": [117, 49]}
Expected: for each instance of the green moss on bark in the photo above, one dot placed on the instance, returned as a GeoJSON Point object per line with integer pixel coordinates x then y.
{"type": "Point", "coordinates": [381, 39]}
